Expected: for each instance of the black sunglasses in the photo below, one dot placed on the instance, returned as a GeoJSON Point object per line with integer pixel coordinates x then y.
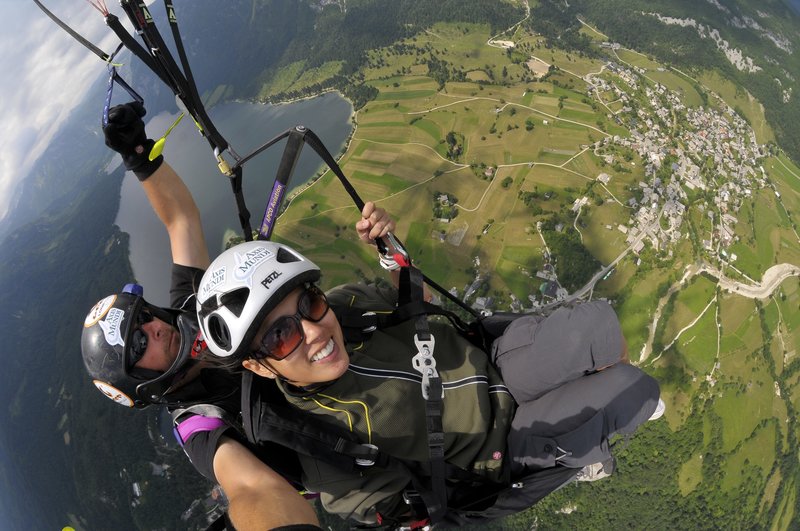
{"type": "Point", "coordinates": [286, 334]}
{"type": "Point", "coordinates": [138, 341]}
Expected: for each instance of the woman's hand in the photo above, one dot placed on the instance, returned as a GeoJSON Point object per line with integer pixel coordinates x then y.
{"type": "Point", "coordinates": [375, 223]}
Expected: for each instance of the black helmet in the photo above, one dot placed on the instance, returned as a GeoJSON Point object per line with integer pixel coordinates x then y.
{"type": "Point", "coordinates": [108, 335]}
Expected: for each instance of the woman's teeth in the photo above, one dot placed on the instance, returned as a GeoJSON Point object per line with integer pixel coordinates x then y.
{"type": "Point", "coordinates": [324, 353]}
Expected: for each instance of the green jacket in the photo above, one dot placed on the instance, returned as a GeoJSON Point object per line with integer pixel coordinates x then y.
{"type": "Point", "coordinates": [379, 399]}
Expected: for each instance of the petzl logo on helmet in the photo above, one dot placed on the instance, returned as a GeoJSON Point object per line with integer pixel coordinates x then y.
{"type": "Point", "coordinates": [248, 262]}
{"type": "Point", "coordinates": [217, 277]}
{"type": "Point", "coordinates": [111, 326]}
{"type": "Point", "coordinates": [99, 310]}
{"type": "Point", "coordinates": [272, 277]}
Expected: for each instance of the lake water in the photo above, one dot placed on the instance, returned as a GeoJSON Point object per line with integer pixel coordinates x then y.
{"type": "Point", "coordinates": [246, 126]}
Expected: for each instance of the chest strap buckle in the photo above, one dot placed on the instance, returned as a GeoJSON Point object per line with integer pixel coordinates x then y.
{"type": "Point", "coordinates": [424, 362]}
{"type": "Point", "coordinates": [368, 461]}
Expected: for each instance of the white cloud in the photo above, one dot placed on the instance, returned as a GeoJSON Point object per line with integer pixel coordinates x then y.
{"type": "Point", "coordinates": [46, 73]}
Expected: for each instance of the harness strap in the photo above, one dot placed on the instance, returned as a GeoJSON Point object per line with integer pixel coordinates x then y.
{"type": "Point", "coordinates": [112, 21]}
{"type": "Point", "coordinates": [203, 417]}
{"type": "Point", "coordinates": [241, 206]}
{"type": "Point", "coordinates": [411, 292]}
{"type": "Point", "coordinates": [214, 137]}
{"type": "Point", "coordinates": [195, 424]}
{"type": "Point", "coordinates": [289, 158]}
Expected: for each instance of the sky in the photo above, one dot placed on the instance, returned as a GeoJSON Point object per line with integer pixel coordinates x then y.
{"type": "Point", "coordinates": [46, 74]}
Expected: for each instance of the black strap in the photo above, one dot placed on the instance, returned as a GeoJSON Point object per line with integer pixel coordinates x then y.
{"type": "Point", "coordinates": [198, 110]}
{"type": "Point", "coordinates": [164, 65]}
{"type": "Point", "coordinates": [291, 154]}
{"type": "Point", "coordinates": [411, 292]}
{"type": "Point", "coordinates": [131, 44]}
{"type": "Point", "coordinates": [77, 36]}
{"type": "Point", "coordinates": [434, 406]}
{"type": "Point", "coordinates": [241, 205]}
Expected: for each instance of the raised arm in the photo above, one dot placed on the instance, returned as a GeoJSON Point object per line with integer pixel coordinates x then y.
{"type": "Point", "coordinates": [175, 207]}
{"type": "Point", "coordinates": [166, 191]}
{"type": "Point", "coordinates": [375, 223]}
{"type": "Point", "coordinates": [259, 498]}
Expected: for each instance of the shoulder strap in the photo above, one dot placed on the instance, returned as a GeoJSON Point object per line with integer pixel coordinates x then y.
{"type": "Point", "coordinates": [198, 418]}
{"type": "Point", "coordinates": [205, 410]}
{"type": "Point", "coordinates": [268, 418]}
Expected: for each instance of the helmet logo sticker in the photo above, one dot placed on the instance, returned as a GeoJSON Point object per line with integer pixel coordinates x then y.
{"type": "Point", "coordinates": [112, 325]}
{"type": "Point", "coordinates": [247, 263]}
{"type": "Point", "coordinates": [98, 311]}
{"type": "Point", "coordinates": [113, 393]}
{"type": "Point", "coordinates": [271, 278]}
{"type": "Point", "coordinates": [217, 277]}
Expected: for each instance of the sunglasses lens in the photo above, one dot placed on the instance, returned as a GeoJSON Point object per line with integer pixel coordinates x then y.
{"type": "Point", "coordinates": [286, 334]}
{"type": "Point", "coordinates": [144, 317]}
{"type": "Point", "coordinates": [138, 346]}
{"type": "Point", "coordinates": [313, 304]}
{"type": "Point", "coordinates": [139, 338]}
{"type": "Point", "coordinates": [282, 338]}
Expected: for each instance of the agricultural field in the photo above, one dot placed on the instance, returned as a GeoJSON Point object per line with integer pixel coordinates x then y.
{"type": "Point", "coordinates": [637, 59]}
{"type": "Point", "coordinates": [688, 304]}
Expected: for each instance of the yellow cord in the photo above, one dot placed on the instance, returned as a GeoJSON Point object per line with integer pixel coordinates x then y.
{"type": "Point", "coordinates": [366, 413]}
{"type": "Point", "coordinates": [158, 147]}
{"type": "Point", "coordinates": [349, 418]}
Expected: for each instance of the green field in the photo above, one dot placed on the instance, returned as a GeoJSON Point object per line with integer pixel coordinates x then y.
{"type": "Point", "coordinates": [740, 323]}
{"type": "Point", "coordinates": [636, 59]}
{"type": "Point", "coordinates": [636, 311]}
{"type": "Point", "coordinates": [698, 344]}
{"type": "Point", "coordinates": [691, 474]}
{"type": "Point", "coordinates": [688, 304]}
{"type": "Point", "coordinates": [678, 83]}
{"type": "Point", "coordinates": [757, 451]}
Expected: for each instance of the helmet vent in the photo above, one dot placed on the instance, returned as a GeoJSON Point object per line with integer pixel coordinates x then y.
{"type": "Point", "coordinates": [235, 300]}
{"type": "Point", "coordinates": [285, 256]}
{"type": "Point", "coordinates": [219, 332]}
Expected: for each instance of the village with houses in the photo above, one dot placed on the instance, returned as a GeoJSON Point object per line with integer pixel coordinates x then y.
{"type": "Point", "coordinates": [707, 150]}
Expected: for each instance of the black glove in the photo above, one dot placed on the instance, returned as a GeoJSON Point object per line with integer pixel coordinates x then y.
{"type": "Point", "coordinates": [125, 135]}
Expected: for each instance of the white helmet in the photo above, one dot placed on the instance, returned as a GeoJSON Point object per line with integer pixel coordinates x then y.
{"type": "Point", "coordinates": [241, 287]}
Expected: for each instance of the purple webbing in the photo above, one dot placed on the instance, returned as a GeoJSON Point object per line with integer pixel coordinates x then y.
{"type": "Point", "coordinates": [194, 424]}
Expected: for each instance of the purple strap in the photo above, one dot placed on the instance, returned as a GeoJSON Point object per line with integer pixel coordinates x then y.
{"type": "Point", "coordinates": [194, 424]}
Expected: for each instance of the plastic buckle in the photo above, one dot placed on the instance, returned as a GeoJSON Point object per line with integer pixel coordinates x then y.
{"type": "Point", "coordinates": [412, 497]}
{"type": "Point", "coordinates": [371, 328]}
{"type": "Point", "coordinates": [424, 363]}
{"type": "Point", "coordinates": [367, 462]}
